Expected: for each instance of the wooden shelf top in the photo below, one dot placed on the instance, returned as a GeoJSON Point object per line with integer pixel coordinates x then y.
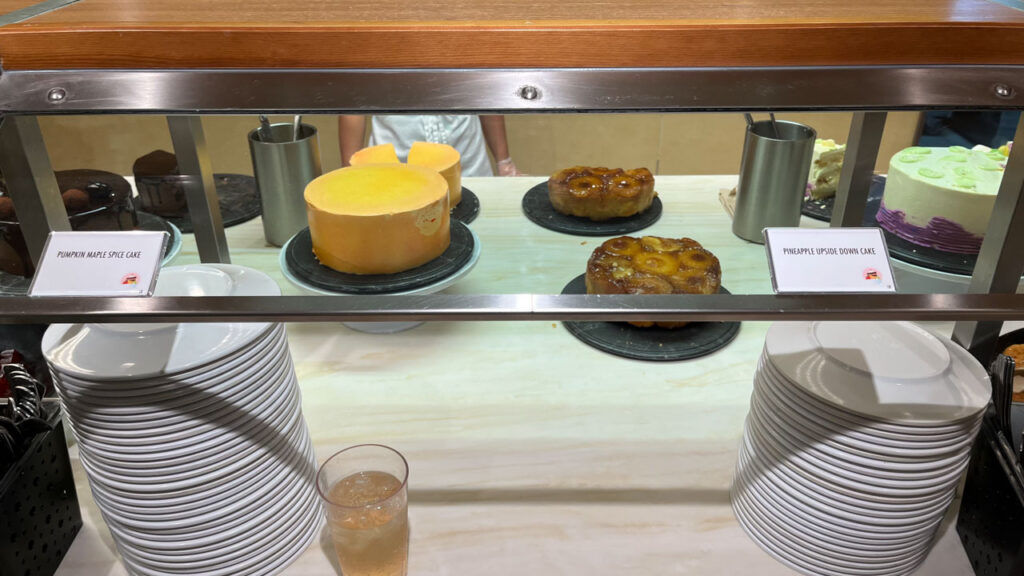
{"type": "Point", "coordinates": [511, 33]}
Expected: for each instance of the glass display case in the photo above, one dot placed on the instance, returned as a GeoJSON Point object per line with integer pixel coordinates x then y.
{"type": "Point", "coordinates": [528, 450]}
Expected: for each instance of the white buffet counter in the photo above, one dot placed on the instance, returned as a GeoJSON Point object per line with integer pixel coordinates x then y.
{"type": "Point", "coordinates": [530, 452]}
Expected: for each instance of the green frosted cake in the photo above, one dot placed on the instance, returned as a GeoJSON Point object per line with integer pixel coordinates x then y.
{"type": "Point", "coordinates": [942, 198]}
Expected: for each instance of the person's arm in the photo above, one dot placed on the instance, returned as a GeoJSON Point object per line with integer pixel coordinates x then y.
{"type": "Point", "coordinates": [494, 133]}
{"type": "Point", "coordinates": [351, 130]}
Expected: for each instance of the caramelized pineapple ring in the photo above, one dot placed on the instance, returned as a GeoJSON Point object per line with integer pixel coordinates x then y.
{"type": "Point", "coordinates": [585, 186]}
{"type": "Point", "coordinates": [623, 246]}
{"type": "Point", "coordinates": [625, 186]}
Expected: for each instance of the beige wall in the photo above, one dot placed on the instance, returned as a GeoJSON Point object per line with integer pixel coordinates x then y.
{"type": "Point", "coordinates": [540, 144]}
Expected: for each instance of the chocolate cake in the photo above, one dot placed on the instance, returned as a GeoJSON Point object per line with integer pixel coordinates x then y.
{"type": "Point", "coordinates": [160, 184]}
{"type": "Point", "coordinates": [94, 200]}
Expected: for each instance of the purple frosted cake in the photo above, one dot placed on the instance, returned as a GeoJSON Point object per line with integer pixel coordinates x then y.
{"type": "Point", "coordinates": [942, 198]}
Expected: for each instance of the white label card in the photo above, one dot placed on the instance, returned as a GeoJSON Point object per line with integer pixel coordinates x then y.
{"type": "Point", "coordinates": [99, 264]}
{"type": "Point", "coordinates": [804, 260]}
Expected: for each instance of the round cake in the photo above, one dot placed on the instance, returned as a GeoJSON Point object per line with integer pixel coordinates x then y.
{"type": "Point", "coordinates": [942, 198]}
{"type": "Point", "coordinates": [94, 201]}
{"type": "Point", "coordinates": [653, 265]}
{"type": "Point", "coordinates": [378, 218]}
{"type": "Point", "coordinates": [601, 193]}
{"type": "Point", "coordinates": [160, 184]}
{"type": "Point", "coordinates": [441, 158]}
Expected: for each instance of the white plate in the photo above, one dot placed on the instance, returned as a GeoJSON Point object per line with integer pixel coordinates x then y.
{"type": "Point", "coordinates": [868, 424]}
{"type": "Point", "coordinates": [774, 505]}
{"type": "Point", "coordinates": [832, 514]}
{"type": "Point", "coordinates": [123, 351]}
{"type": "Point", "coordinates": [225, 365]}
{"type": "Point", "coordinates": [808, 496]}
{"type": "Point", "coordinates": [194, 419]}
{"type": "Point", "coordinates": [103, 393]}
{"type": "Point", "coordinates": [855, 439]}
{"type": "Point", "coordinates": [790, 438]}
{"type": "Point", "coordinates": [383, 327]}
{"type": "Point", "coordinates": [220, 535]}
{"type": "Point", "coordinates": [894, 371]}
{"type": "Point", "coordinates": [233, 395]}
{"type": "Point", "coordinates": [269, 472]}
{"type": "Point", "coordinates": [266, 566]}
{"type": "Point", "coordinates": [201, 463]}
{"type": "Point", "coordinates": [777, 451]}
{"type": "Point", "coordinates": [816, 562]}
{"type": "Point", "coordinates": [783, 476]}
{"type": "Point", "coordinates": [101, 443]}
{"type": "Point", "coordinates": [868, 557]}
{"type": "Point", "coordinates": [223, 535]}
{"type": "Point", "coordinates": [242, 503]}
{"type": "Point", "coordinates": [836, 541]}
{"type": "Point", "coordinates": [264, 557]}
{"type": "Point", "coordinates": [273, 395]}
{"type": "Point", "coordinates": [771, 461]}
{"type": "Point", "coordinates": [288, 439]}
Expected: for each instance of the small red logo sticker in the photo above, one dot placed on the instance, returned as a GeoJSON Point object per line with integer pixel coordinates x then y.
{"type": "Point", "coordinates": [130, 279]}
{"type": "Point", "coordinates": [872, 275]}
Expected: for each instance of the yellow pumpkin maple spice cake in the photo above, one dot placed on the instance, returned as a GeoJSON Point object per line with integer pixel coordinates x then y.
{"type": "Point", "coordinates": [378, 218]}
{"type": "Point", "coordinates": [440, 157]}
{"type": "Point", "coordinates": [652, 265]}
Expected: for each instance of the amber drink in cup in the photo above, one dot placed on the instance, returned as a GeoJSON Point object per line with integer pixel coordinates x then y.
{"type": "Point", "coordinates": [364, 489]}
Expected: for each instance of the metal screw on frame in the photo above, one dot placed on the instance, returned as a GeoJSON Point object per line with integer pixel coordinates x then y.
{"type": "Point", "coordinates": [56, 95]}
{"type": "Point", "coordinates": [529, 93]}
{"type": "Point", "coordinates": [1003, 91]}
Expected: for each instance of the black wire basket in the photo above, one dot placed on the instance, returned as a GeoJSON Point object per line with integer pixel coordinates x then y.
{"type": "Point", "coordinates": [38, 506]}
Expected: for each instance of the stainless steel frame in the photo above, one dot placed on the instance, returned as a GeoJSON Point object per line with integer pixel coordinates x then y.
{"type": "Point", "coordinates": [869, 90]}
{"type": "Point", "coordinates": [858, 168]}
{"type": "Point", "coordinates": [200, 190]}
{"type": "Point", "coordinates": [596, 89]}
{"type": "Point", "coordinates": [1001, 260]}
{"type": "Point", "coordinates": [31, 183]}
{"type": "Point", "coordinates": [519, 307]}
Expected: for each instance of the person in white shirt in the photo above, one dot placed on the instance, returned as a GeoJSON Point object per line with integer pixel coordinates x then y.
{"type": "Point", "coordinates": [472, 136]}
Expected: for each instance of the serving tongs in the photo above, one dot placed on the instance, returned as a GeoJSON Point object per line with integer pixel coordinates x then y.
{"type": "Point", "coordinates": [1002, 392]}
{"type": "Point", "coordinates": [1002, 399]}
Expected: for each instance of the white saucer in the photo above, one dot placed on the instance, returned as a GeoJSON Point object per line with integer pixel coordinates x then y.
{"type": "Point", "coordinates": [894, 371]}
{"type": "Point", "coordinates": [384, 327]}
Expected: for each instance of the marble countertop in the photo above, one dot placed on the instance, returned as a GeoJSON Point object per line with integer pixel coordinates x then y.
{"type": "Point", "coordinates": [530, 452]}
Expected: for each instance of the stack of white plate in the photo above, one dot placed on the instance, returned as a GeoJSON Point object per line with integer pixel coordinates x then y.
{"type": "Point", "coordinates": [857, 436]}
{"type": "Point", "coordinates": [192, 435]}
